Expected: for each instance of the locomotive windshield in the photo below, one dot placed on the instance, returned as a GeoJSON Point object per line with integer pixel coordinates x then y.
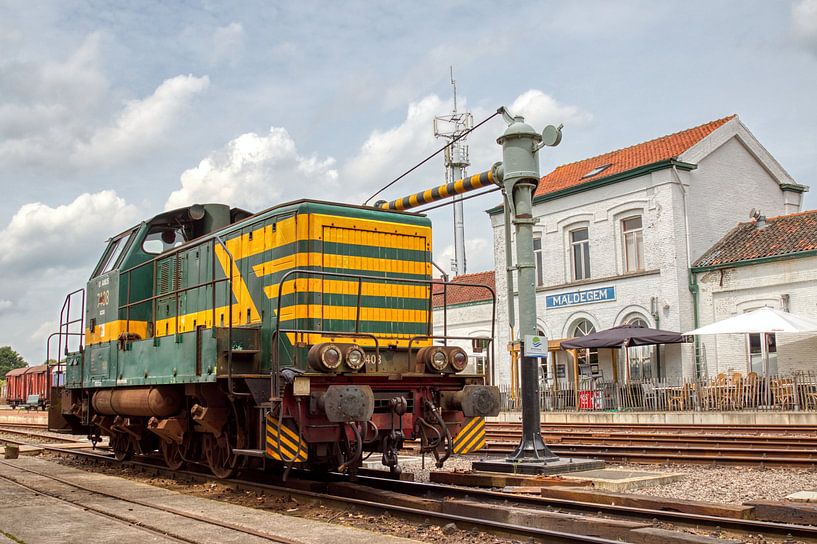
{"type": "Point", "coordinates": [114, 252]}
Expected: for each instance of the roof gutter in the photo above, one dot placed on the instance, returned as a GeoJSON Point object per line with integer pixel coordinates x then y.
{"type": "Point", "coordinates": [601, 182]}
{"type": "Point", "coordinates": [756, 260]}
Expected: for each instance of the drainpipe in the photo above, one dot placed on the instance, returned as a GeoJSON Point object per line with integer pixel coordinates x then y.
{"type": "Point", "coordinates": [692, 278]}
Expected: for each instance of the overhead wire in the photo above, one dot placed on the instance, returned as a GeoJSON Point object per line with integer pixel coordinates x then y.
{"type": "Point", "coordinates": [450, 202]}
{"type": "Point", "coordinates": [443, 148]}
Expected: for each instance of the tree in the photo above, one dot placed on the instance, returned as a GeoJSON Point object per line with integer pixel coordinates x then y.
{"type": "Point", "coordinates": [10, 359]}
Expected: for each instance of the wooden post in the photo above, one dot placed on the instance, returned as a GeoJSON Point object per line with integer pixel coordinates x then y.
{"type": "Point", "coordinates": [574, 353]}
{"type": "Point", "coordinates": [615, 365]}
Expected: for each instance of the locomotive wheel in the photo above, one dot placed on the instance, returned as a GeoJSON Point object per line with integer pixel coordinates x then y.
{"type": "Point", "coordinates": [175, 454]}
{"type": "Point", "coordinates": [219, 455]}
{"type": "Point", "coordinates": [122, 446]}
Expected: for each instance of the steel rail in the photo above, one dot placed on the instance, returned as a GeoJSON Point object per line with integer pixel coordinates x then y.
{"type": "Point", "coordinates": [494, 499]}
{"type": "Point", "coordinates": [162, 508]}
{"type": "Point", "coordinates": [416, 513]}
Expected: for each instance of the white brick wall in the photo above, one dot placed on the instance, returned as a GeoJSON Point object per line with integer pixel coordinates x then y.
{"type": "Point", "coordinates": [732, 291]}
{"type": "Point", "coordinates": [734, 174]}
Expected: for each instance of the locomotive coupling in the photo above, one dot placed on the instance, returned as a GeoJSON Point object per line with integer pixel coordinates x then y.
{"type": "Point", "coordinates": [473, 400]}
{"type": "Point", "coordinates": [346, 403]}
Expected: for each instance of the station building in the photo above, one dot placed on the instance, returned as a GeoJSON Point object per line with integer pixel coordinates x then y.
{"type": "Point", "coordinates": [764, 262]}
{"type": "Point", "coordinates": [617, 237]}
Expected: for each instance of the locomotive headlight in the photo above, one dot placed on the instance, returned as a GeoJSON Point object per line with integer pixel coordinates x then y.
{"type": "Point", "coordinates": [458, 358]}
{"type": "Point", "coordinates": [439, 360]}
{"type": "Point", "coordinates": [355, 358]}
{"type": "Point", "coordinates": [434, 358]}
{"type": "Point", "coordinates": [324, 357]}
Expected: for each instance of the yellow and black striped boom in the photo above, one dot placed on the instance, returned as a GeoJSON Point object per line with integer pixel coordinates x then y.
{"type": "Point", "coordinates": [428, 196]}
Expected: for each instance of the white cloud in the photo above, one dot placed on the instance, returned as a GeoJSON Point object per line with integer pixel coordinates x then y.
{"type": "Point", "coordinates": [142, 122]}
{"type": "Point", "coordinates": [65, 113]}
{"type": "Point", "coordinates": [804, 20]}
{"type": "Point", "coordinates": [41, 237]}
{"type": "Point", "coordinates": [478, 255]}
{"type": "Point", "coordinates": [254, 171]}
{"type": "Point", "coordinates": [385, 153]}
{"type": "Point", "coordinates": [540, 109]}
{"type": "Point", "coordinates": [228, 43]}
{"type": "Point", "coordinates": [5, 305]}
{"type": "Point", "coordinates": [49, 106]}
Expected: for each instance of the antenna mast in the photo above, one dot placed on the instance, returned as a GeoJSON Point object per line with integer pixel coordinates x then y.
{"type": "Point", "coordinates": [451, 127]}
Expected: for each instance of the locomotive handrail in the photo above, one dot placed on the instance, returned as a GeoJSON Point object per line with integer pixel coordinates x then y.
{"type": "Point", "coordinates": [360, 277]}
{"type": "Point", "coordinates": [232, 392]}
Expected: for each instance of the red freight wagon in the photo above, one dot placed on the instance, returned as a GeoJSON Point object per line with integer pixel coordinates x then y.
{"type": "Point", "coordinates": [21, 383]}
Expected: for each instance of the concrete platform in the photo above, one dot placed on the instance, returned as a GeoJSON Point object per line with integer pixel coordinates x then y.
{"type": "Point", "coordinates": [560, 466]}
{"type": "Point", "coordinates": [7, 415]}
{"type": "Point", "coordinates": [670, 418]}
{"type": "Point", "coordinates": [803, 496]}
{"type": "Point", "coordinates": [611, 479]}
{"type": "Point", "coordinates": [61, 513]}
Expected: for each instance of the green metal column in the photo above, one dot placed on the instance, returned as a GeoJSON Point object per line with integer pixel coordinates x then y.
{"type": "Point", "coordinates": [520, 176]}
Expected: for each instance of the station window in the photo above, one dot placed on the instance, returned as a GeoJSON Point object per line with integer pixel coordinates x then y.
{"type": "Point", "coordinates": [633, 240]}
{"type": "Point", "coordinates": [580, 253]}
{"type": "Point", "coordinates": [640, 357]}
{"type": "Point", "coordinates": [587, 358]}
{"type": "Point", "coordinates": [539, 256]}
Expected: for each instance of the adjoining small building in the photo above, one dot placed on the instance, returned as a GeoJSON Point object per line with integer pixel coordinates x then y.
{"type": "Point", "coordinates": [764, 262]}
{"type": "Point", "coordinates": [470, 315]}
{"type": "Point", "coordinates": [616, 238]}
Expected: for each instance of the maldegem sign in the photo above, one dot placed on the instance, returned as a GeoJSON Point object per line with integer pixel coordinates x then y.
{"type": "Point", "coordinates": [588, 296]}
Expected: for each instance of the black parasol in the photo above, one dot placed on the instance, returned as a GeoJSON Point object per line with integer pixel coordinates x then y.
{"type": "Point", "coordinates": [624, 336]}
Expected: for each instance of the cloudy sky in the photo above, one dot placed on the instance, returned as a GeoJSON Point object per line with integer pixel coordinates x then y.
{"type": "Point", "coordinates": [111, 112]}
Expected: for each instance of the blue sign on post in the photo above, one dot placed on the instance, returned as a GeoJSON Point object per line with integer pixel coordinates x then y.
{"type": "Point", "coordinates": [588, 296]}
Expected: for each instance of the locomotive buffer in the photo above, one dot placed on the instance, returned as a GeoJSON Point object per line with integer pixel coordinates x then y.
{"type": "Point", "coordinates": [518, 176]}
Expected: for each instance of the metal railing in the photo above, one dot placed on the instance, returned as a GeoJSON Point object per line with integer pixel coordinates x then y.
{"type": "Point", "coordinates": [733, 393]}
{"type": "Point", "coordinates": [278, 331]}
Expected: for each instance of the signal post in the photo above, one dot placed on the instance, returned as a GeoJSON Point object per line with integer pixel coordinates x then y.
{"type": "Point", "coordinates": [518, 176]}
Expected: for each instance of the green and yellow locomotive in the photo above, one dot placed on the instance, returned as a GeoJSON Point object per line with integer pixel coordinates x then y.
{"type": "Point", "coordinates": [300, 336]}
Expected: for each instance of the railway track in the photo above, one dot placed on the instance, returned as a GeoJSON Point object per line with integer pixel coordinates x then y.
{"type": "Point", "coordinates": [772, 446]}
{"type": "Point", "coordinates": [154, 530]}
{"type": "Point", "coordinates": [25, 431]}
{"type": "Point", "coordinates": [479, 508]}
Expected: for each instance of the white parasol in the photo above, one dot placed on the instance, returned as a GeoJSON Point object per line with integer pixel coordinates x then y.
{"type": "Point", "coordinates": [762, 320]}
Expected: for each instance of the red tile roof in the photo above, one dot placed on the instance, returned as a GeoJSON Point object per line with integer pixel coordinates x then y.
{"type": "Point", "coordinates": [629, 158]}
{"type": "Point", "coordinates": [783, 235]}
{"type": "Point", "coordinates": [466, 294]}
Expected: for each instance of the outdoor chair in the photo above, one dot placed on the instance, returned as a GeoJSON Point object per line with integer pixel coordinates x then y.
{"type": "Point", "coordinates": [650, 398]}
{"type": "Point", "coordinates": [750, 390]}
{"type": "Point", "coordinates": [680, 397]}
{"type": "Point", "coordinates": [731, 399]}
{"type": "Point", "coordinates": [782, 393]}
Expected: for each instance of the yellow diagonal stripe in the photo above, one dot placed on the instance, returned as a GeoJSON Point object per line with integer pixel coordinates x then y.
{"type": "Point", "coordinates": [468, 432]}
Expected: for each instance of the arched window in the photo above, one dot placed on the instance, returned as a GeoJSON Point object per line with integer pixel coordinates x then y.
{"type": "Point", "coordinates": [588, 358]}
{"type": "Point", "coordinates": [639, 358]}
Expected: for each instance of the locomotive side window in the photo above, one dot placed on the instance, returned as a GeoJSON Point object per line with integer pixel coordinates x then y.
{"type": "Point", "coordinates": [161, 239]}
{"type": "Point", "coordinates": [114, 252]}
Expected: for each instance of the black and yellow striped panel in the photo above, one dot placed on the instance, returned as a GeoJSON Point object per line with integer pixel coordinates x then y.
{"type": "Point", "coordinates": [471, 437]}
{"type": "Point", "coordinates": [283, 443]}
